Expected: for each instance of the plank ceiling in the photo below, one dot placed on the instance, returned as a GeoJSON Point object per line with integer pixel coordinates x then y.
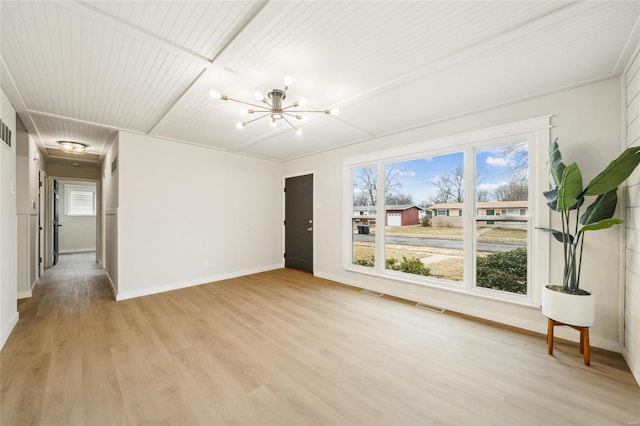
{"type": "Point", "coordinates": [84, 70]}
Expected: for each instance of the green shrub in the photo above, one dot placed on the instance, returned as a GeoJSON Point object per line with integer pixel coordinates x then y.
{"type": "Point", "coordinates": [366, 262]}
{"type": "Point", "coordinates": [412, 265]}
{"type": "Point", "coordinates": [503, 271]}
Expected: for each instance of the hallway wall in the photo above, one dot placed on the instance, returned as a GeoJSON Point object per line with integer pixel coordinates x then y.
{"type": "Point", "coordinates": [8, 225]}
{"type": "Point", "coordinates": [28, 164]}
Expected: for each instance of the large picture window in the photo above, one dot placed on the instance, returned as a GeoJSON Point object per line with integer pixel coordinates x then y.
{"type": "Point", "coordinates": [457, 213]}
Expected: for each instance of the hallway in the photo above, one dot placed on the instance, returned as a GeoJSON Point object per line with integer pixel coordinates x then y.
{"type": "Point", "coordinates": [54, 338]}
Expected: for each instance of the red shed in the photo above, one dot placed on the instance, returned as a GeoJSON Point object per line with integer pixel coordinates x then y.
{"type": "Point", "coordinates": [404, 215]}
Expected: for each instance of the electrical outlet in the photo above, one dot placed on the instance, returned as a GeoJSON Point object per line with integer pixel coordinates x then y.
{"type": "Point", "coordinates": [412, 288]}
{"type": "Point", "coordinates": [205, 264]}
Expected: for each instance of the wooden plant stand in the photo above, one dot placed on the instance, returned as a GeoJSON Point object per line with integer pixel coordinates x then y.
{"type": "Point", "coordinates": [584, 338]}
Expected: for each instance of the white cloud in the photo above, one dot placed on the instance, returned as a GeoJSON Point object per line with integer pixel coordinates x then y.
{"type": "Point", "coordinates": [497, 161]}
{"type": "Point", "coordinates": [489, 186]}
{"type": "Point", "coordinates": [406, 173]}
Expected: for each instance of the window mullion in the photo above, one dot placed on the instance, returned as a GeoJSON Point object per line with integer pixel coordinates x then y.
{"type": "Point", "coordinates": [380, 218]}
{"type": "Point", "coordinates": [469, 217]}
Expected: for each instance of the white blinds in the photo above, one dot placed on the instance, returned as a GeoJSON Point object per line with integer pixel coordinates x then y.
{"type": "Point", "coordinates": [82, 203]}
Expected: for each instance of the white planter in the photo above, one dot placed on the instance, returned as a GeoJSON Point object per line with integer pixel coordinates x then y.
{"type": "Point", "coordinates": [569, 309]}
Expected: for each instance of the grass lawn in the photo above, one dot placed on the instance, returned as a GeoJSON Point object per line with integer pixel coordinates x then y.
{"type": "Point", "coordinates": [486, 234]}
{"type": "Point", "coordinates": [502, 235]}
{"type": "Point", "coordinates": [425, 231]}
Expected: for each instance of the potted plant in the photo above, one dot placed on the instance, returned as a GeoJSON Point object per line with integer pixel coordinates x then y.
{"type": "Point", "coordinates": [568, 303]}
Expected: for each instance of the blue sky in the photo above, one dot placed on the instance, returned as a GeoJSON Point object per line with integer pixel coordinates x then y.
{"type": "Point", "coordinates": [493, 165]}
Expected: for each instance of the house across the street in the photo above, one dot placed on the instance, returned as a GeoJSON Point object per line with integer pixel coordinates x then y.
{"type": "Point", "coordinates": [450, 214]}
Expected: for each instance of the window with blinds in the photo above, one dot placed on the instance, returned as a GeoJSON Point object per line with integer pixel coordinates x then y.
{"type": "Point", "coordinates": [81, 202]}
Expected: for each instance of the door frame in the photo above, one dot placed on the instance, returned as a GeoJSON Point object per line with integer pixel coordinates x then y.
{"type": "Point", "coordinates": [43, 187]}
{"type": "Point", "coordinates": [48, 215]}
{"type": "Point", "coordinates": [313, 210]}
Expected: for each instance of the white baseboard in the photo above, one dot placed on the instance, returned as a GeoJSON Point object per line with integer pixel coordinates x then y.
{"type": "Point", "coordinates": [461, 308]}
{"type": "Point", "coordinates": [184, 284]}
{"type": "Point", "coordinates": [78, 250]}
{"type": "Point", "coordinates": [8, 328]}
{"type": "Point", "coordinates": [112, 286]}
{"type": "Point", "coordinates": [24, 294]}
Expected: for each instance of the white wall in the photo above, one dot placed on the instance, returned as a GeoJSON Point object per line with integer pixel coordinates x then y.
{"type": "Point", "coordinates": [28, 163]}
{"type": "Point", "coordinates": [632, 225]}
{"type": "Point", "coordinates": [78, 233]}
{"type": "Point", "coordinates": [59, 170]}
{"type": "Point", "coordinates": [8, 225]}
{"type": "Point", "coordinates": [587, 122]}
{"type": "Point", "coordinates": [189, 215]}
{"type": "Point", "coordinates": [109, 215]}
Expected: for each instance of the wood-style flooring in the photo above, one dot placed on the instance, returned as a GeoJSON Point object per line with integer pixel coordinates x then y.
{"type": "Point", "coordinates": [285, 348]}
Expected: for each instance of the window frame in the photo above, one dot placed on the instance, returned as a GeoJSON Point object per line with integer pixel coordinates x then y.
{"type": "Point", "coordinates": [68, 189]}
{"type": "Point", "coordinates": [536, 132]}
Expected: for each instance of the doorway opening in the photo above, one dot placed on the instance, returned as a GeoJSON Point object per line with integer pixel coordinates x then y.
{"type": "Point", "coordinates": [73, 212]}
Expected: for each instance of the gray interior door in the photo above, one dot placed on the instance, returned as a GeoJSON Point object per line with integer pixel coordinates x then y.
{"type": "Point", "coordinates": [298, 224]}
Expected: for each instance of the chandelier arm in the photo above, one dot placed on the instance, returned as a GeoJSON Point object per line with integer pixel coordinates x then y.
{"type": "Point", "coordinates": [312, 110]}
{"type": "Point", "coordinates": [289, 123]}
{"type": "Point", "coordinates": [302, 110]}
{"type": "Point", "coordinates": [297, 117]}
{"type": "Point", "coordinates": [245, 103]}
{"type": "Point", "coordinates": [258, 118]}
{"type": "Point", "coordinates": [290, 106]}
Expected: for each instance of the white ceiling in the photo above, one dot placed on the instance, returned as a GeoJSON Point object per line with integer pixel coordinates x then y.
{"type": "Point", "coordinates": [83, 70]}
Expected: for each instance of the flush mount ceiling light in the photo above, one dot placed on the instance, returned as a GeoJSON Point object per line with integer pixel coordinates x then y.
{"type": "Point", "coordinates": [273, 107]}
{"type": "Point", "coordinates": [74, 147]}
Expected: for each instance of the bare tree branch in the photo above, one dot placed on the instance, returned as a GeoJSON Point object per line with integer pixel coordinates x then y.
{"type": "Point", "coordinates": [366, 181]}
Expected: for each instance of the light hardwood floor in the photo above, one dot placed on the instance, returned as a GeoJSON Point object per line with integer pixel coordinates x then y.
{"type": "Point", "coordinates": [285, 348]}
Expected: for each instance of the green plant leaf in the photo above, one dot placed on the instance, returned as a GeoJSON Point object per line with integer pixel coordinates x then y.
{"type": "Point", "coordinates": [559, 235]}
{"type": "Point", "coordinates": [556, 166]}
{"type": "Point", "coordinates": [602, 208]}
{"type": "Point", "coordinates": [552, 198]}
{"type": "Point", "coordinates": [603, 224]}
{"type": "Point", "coordinates": [615, 173]}
{"type": "Point", "coordinates": [570, 190]}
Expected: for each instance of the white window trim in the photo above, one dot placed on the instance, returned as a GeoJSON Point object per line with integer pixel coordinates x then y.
{"type": "Point", "coordinates": [536, 132]}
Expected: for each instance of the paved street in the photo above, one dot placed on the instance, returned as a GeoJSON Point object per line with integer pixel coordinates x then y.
{"type": "Point", "coordinates": [489, 247]}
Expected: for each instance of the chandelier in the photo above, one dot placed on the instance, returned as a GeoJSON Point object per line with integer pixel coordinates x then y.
{"type": "Point", "coordinates": [272, 107]}
{"type": "Point", "coordinates": [74, 147]}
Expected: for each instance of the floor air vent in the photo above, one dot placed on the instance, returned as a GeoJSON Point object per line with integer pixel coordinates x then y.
{"type": "Point", "coordinates": [372, 293]}
{"type": "Point", "coordinates": [430, 308]}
